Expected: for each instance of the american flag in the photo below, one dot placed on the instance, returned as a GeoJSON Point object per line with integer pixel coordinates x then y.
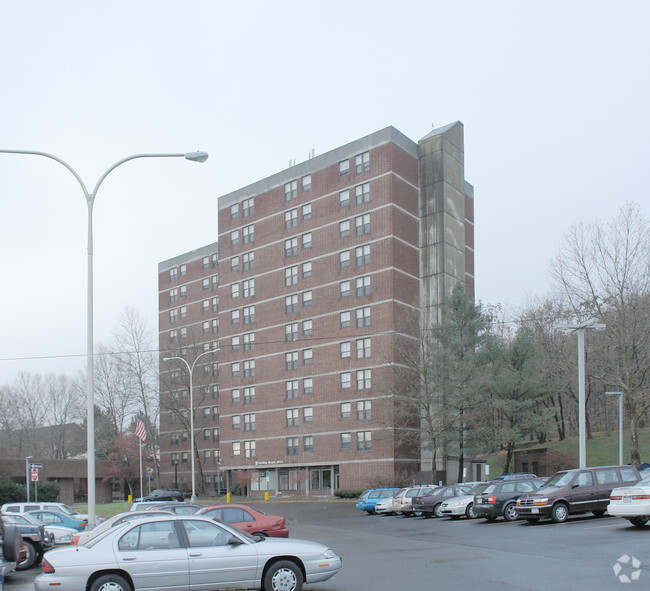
{"type": "Point", "coordinates": [140, 430]}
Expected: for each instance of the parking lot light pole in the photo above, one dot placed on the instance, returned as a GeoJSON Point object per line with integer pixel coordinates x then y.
{"type": "Point", "coordinates": [90, 392]}
{"type": "Point", "coordinates": [591, 324]}
{"type": "Point", "coordinates": [620, 424]}
{"type": "Point", "coordinates": [190, 369]}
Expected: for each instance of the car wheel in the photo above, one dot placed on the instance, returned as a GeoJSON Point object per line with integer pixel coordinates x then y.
{"type": "Point", "coordinates": [283, 575]}
{"type": "Point", "coordinates": [598, 513]}
{"type": "Point", "coordinates": [437, 510]}
{"type": "Point", "coordinates": [11, 543]}
{"type": "Point", "coordinates": [110, 583]}
{"type": "Point", "coordinates": [469, 512]}
{"type": "Point", "coordinates": [30, 559]}
{"type": "Point", "coordinates": [559, 513]}
{"type": "Point", "coordinates": [510, 512]}
{"type": "Point", "coordinates": [638, 521]}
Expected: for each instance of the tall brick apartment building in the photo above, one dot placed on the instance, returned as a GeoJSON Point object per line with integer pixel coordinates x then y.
{"type": "Point", "coordinates": [318, 271]}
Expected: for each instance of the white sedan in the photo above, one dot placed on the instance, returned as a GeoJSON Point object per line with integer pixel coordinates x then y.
{"type": "Point", "coordinates": [456, 507]}
{"type": "Point", "coordinates": [631, 502]}
{"type": "Point", "coordinates": [174, 552]}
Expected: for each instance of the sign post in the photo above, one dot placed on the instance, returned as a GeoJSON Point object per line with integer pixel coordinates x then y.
{"type": "Point", "coordinates": [34, 472]}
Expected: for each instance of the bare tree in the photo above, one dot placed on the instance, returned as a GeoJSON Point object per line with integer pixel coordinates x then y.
{"type": "Point", "coordinates": [603, 271]}
{"type": "Point", "coordinates": [65, 401]}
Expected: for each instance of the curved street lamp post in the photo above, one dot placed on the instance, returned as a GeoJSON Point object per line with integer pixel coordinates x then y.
{"type": "Point", "coordinates": [90, 200]}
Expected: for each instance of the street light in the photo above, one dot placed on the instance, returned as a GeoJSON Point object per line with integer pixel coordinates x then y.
{"type": "Point", "coordinates": [90, 200]}
{"type": "Point", "coordinates": [620, 424]}
{"type": "Point", "coordinates": [591, 324]}
{"type": "Point", "coordinates": [190, 369]}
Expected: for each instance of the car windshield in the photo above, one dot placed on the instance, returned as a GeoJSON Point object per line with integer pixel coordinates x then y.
{"type": "Point", "coordinates": [67, 510]}
{"type": "Point", "coordinates": [490, 488]}
{"type": "Point", "coordinates": [477, 488]}
{"type": "Point", "coordinates": [560, 479]}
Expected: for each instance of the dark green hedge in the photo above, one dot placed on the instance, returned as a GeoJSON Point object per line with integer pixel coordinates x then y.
{"type": "Point", "coordinates": [347, 494]}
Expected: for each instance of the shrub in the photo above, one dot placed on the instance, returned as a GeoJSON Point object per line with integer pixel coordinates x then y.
{"type": "Point", "coordinates": [347, 494]}
{"type": "Point", "coordinates": [10, 492]}
{"type": "Point", "coordinates": [47, 491]}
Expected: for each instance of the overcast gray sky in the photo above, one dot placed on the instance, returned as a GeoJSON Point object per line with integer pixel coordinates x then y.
{"type": "Point", "coordinates": [554, 97]}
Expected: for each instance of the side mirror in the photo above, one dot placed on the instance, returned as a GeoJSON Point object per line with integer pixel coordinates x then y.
{"type": "Point", "coordinates": [234, 541]}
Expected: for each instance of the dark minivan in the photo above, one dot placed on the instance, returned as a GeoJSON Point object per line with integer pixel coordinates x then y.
{"type": "Point", "coordinates": [575, 491]}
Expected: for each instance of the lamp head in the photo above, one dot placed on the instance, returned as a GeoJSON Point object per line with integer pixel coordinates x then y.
{"type": "Point", "coordinates": [197, 156]}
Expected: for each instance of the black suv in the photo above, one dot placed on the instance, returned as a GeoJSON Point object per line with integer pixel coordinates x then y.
{"type": "Point", "coordinates": [500, 497]}
{"type": "Point", "coordinates": [164, 494]}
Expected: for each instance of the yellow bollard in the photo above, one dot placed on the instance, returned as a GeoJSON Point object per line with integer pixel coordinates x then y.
{"type": "Point", "coordinates": [227, 497]}
{"type": "Point", "coordinates": [266, 495]}
{"type": "Point", "coordinates": [130, 498]}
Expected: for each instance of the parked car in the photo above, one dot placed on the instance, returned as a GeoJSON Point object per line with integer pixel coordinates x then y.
{"type": "Point", "coordinates": [569, 492]}
{"type": "Point", "coordinates": [60, 535]}
{"type": "Point", "coordinates": [429, 505]}
{"type": "Point", "coordinates": [371, 497]}
{"type": "Point", "coordinates": [49, 506]}
{"type": "Point", "coordinates": [37, 541]}
{"type": "Point", "coordinates": [456, 507]}
{"type": "Point", "coordinates": [164, 494]}
{"type": "Point", "coordinates": [499, 499]}
{"type": "Point", "coordinates": [402, 499]}
{"type": "Point", "coordinates": [385, 506]}
{"type": "Point", "coordinates": [631, 502]}
{"type": "Point", "coordinates": [82, 537]}
{"type": "Point", "coordinates": [249, 520]}
{"type": "Point", "coordinates": [129, 556]}
{"type": "Point", "coordinates": [145, 505]}
{"type": "Point", "coordinates": [58, 518]}
{"type": "Point", "coordinates": [515, 476]}
{"type": "Point", "coordinates": [176, 507]}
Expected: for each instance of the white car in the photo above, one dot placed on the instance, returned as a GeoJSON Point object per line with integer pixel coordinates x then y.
{"type": "Point", "coordinates": [631, 502]}
{"type": "Point", "coordinates": [403, 499]}
{"type": "Point", "coordinates": [384, 507]}
{"type": "Point", "coordinates": [456, 507]}
{"type": "Point", "coordinates": [60, 535]}
{"type": "Point", "coordinates": [177, 552]}
{"type": "Point", "coordinates": [80, 538]}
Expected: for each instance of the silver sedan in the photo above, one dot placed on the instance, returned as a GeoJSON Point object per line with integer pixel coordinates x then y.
{"type": "Point", "coordinates": [185, 552]}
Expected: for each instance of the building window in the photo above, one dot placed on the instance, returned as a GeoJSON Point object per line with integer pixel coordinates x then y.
{"type": "Point", "coordinates": [363, 286]}
{"type": "Point", "coordinates": [215, 413]}
{"type": "Point", "coordinates": [291, 191]}
{"type": "Point", "coordinates": [183, 333]}
{"type": "Point", "coordinates": [306, 211]}
{"type": "Point", "coordinates": [249, 449]}
{"type": "Point", "coordinates": [234, 290]}
{"type": "Point", "coordinates": [290, 219]}
{"type": "Point", "coordinates": [248, 207]}
{"type": "Point", "coordinates": [173, 274]}
{"type": "Point", "coordinates": [292, 446]}
{"type": "Point", "coordinates": [205, 284]}
{"type": "Point", "coordinates": [249, 422]}
{"type": "Point", "coordinates": [362, 163]}
{"type": "Point", "coordinates": [306, 182]}
{"type": "Point", "coordinates": [291, 332]}
{"type": "Point", "coordinates": [183, 310]}
{"type": "Point", "coordinates": [248, 260]}
{"type": "Point", "coordinates": [308, 386]}
{"type": "Point", "coordinates": [249, 341]}
{"type": "Point", "coordinates": [345, 349]}
{"type": "Point", "coordinates": [307, 299]}
{"type": "Point", "coordinates": [215, 435]}
{"type": "Point", "coordinates": [234, 211]}
{"type": "Point", "coordinates": [308, 414]}
{"type": "Point", "coordinates": [307, 356]}
{"type": "Point", "coordinates": [362, 224]}
{"type": "Point", "coordinates": [248, 234]}
{"type": "Point", "coordinates": [215, 260]}
{"type": "Point", "coordinates": [235, 369]}
{"type": "Point", "coordinates": [346, 441]}
{"type": "Point", "coordinates": [364, 440]}
{"type": "Point", "coordinates": [362, 194]}
{"type": "Point", "coordinates": [291, 388]}
{"type": "Point", "coordinates": [236, 448]}
{"type": "Point", "coordinates": [291, 304]}
{"type": "Point", "coordinates": [346, 410]}
{"type": "Point", "coordinates": [173, 294]}
{"type": "Point", "coordinates": [307, 329]}
{"type": "Point", "coordinates": [234, 266]}
{"type": "Point", "coordinates": [363, 379]}
{"type": "Point", "coordinates": [215, 304]}
{"type": "Point", "coordinates": [292, 417]}
{"type": "Point", "coordinates": [234, 343]}
{"type": "Point", "coordinates": [234, 317]}
{"type": "Point", "coordinates": [345, 319]}
{"type": "Point", "coordinates": [362, 254]}
{"type": "Point", "coordinates": [346, 380]}
{"type": "Point", "coordinates": [364, 408]}
{"type": "Point", "coordinates": [173, 316]}
{"type": "Point", "coordinates": [363, 348]}
{"type": "Point", "coordinates": [234, 238]}
{"type": "Point", "coordinates": [306, 240]}
{"type": "Point", "coordinates": [206, 306]}
{"type": "Point", "coordinates": [215, 392]}
{"type": "Point", "coordinates": [344, 168]}
{"type": "Point", "coordinates": [215, 282]}
{"type": "Point", "coordinates": [306, 270]}
{"type": "Point", "coordinates": [344, 258]}
{"type": "Point", "coordinates": [308, 443]}
{"type": "Point", "coordinates": [249, 395]}
{"type": "Point", "coordinates": [363, 317]}
{"type": "Point", "coordinates": [291, 360]}
{"type": "Point", "coordinates": [291, 276]}
{"type": "Point", "coordinates": [291, 247]}
{"type": "Point", "coordinates": [249, 314]}
{"type": "Point", "coordinates": [183, 270]}
{"type": "Point", "coordinates": [215, 326]}
{"type": "Point", "coordinates": [173, 336]}
{"type": "Point", "coordinates": [235, 396]}
{"type": "Point", "coordinates": [344, 228]}
{"type": "Point", "coordinates": [206, 434]}
{"type": "Point", "coordinates": [184, 458]}
{"type": "Point", "coordinates": [183, 290]}
{"type": "Point", "coordinates": [249, 288]}
{"type": "Point", "coordinates": [249, 368]}
{"type": "Point", "coordinates": [344, 198]}
{"type": "Point", "coordinates": [344, 288]}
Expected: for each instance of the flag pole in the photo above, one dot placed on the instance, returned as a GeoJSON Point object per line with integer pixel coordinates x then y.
{"type": "Point", "coordinates": [140, 442]}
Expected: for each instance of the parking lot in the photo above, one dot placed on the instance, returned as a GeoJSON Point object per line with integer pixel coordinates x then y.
{"type": "Point", "coordinates": [392, 552]}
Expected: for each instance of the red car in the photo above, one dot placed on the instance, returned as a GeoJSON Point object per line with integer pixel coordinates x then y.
{"type": "Point", "coordinates": [247, 519]}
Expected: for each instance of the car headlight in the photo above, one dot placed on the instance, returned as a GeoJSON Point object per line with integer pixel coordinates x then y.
{"type": "Point", "coordinates": [64, 539]}
{"type": "Point", "coordinates": [329, 554]}
{"type": "Point", "coordinates": [541, 501]}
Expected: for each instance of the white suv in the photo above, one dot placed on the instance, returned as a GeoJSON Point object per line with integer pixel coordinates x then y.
{"type": "Point", "coordinates": [402, 499]}
{"type": "Point", "coordinates": [24, 507]}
